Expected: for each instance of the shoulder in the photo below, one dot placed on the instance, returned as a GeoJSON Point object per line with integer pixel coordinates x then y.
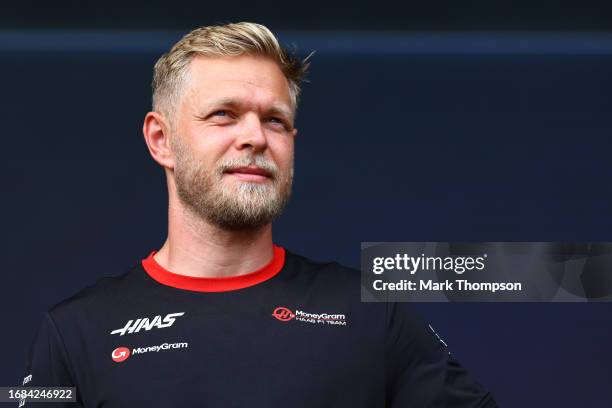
{"type": "Point", "coordinates": [97, 297]}
{"type": "Point", "coordinates": [329, 280]}
{"type": "Point", "coordinates": [324, 270]}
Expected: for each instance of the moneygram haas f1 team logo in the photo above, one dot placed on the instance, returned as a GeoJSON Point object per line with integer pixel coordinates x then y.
{"type": "Point", "coordinates": [120, 354]}
{"type": "Point", "coordinates": [284, 315]}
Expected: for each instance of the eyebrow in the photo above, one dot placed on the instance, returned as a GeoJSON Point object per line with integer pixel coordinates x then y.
{"type": "Point", "coordinates": [277, 108]}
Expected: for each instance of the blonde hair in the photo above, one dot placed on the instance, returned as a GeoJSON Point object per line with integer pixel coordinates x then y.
{"type": "Point", "coordinates": [220, 40]}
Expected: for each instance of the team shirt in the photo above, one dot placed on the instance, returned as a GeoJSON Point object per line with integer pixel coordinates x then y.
{"type": "Point", "coordinates": [291, 334]}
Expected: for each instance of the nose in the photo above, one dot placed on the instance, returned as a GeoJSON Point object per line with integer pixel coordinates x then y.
{"type": "Point", "coordinates": [251, 134]}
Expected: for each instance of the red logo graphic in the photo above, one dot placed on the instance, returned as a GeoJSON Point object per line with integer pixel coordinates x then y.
{"type": "Point", "coordinates": [120, 354]}
{"type": "Point", "coordinates": [283, 314]}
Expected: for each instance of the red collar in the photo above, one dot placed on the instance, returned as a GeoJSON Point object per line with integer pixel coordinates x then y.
{"type": "Point", "coordinates": [165, 277]}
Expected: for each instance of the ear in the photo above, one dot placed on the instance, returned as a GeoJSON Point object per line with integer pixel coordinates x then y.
{"type": "Point", "coordinates": [156, 131]}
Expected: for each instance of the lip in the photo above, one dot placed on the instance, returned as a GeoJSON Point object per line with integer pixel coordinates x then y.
{"type": "Point", "coordinates": [250, 173]}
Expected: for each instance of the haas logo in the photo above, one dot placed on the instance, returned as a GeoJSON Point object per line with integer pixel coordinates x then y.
{"type": "Point", "coordinates": [120, 354]}
{"type": "Point", "coordinates": [283, 314]}
{"type": "Point", "coordinates": [134, 326]}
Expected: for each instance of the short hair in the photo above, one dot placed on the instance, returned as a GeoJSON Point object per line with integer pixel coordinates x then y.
{"type": "Point", "coordinates": [232, 39]}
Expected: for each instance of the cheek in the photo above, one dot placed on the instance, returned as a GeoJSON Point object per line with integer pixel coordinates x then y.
{"type": "Point", "coordinates": [282, 150]}
{"type": "Point", "coordinates": [210, 146]}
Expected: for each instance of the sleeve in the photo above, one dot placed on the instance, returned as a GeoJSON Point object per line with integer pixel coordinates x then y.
{"type": "Point", "coordinates": [47, 364]}
{"type": "Point", "coordinates": [419, 370]}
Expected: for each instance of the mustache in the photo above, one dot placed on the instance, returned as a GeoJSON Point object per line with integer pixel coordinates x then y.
{"type": "Point", "coordinates": [246, 161]}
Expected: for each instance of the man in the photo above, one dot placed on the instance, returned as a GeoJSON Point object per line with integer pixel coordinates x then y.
{"type": "Point", "coordinates": [219, 316]}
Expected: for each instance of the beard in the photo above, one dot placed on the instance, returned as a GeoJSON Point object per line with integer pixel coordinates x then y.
{"type": "Point", "coordinates": [231, 204]}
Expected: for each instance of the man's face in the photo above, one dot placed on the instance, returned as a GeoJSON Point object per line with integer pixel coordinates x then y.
{"type": "Point", "coordinates": [234, 140]}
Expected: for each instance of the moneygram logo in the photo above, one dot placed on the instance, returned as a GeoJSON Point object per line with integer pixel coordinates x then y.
{"type": "Point", "coordinates": [284, 315]}
{"type": "Point", "coordinates": [120, 354]}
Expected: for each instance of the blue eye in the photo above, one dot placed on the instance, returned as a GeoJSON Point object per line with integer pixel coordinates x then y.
{"type": "Point", "coordinates": [220, 113]}
{"type": "Point", "coordinates": [276, 120]}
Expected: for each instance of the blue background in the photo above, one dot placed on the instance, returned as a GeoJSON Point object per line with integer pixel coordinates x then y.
{"type": "Point", "coordinates": [484, 136]}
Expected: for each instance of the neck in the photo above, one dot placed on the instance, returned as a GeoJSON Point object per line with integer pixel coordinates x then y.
{"type": "Point", "coordinates": [195, 247]}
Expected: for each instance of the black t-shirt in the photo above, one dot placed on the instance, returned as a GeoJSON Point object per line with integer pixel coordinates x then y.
{"type": "Point", "coordinates": [291, 334]}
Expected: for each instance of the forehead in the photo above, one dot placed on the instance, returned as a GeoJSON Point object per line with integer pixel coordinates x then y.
{"type": "Point", "coordinates": [248, 78]}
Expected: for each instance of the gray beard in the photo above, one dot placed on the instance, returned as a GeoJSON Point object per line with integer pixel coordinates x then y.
{"type": "Point", "coordinates": [231, 205]}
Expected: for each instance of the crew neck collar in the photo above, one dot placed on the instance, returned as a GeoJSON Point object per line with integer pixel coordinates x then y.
{"type": "Point", "coordinates": [224, 284]}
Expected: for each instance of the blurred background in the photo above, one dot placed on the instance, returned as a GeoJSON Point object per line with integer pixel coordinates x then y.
{"type": "Point", "coordinates": [421, 121]}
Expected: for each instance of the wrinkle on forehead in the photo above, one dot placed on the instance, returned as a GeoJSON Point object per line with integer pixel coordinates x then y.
{"type": "Point", "coordinates": [244, 73]}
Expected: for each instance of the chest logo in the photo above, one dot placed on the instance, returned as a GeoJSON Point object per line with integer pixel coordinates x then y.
{"type": "Point", "coordinates": [120, 354]}
{"type": "Point", "coordinates": [284, 315]}
{"type": "Point", "coordinates": [134, 326]}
